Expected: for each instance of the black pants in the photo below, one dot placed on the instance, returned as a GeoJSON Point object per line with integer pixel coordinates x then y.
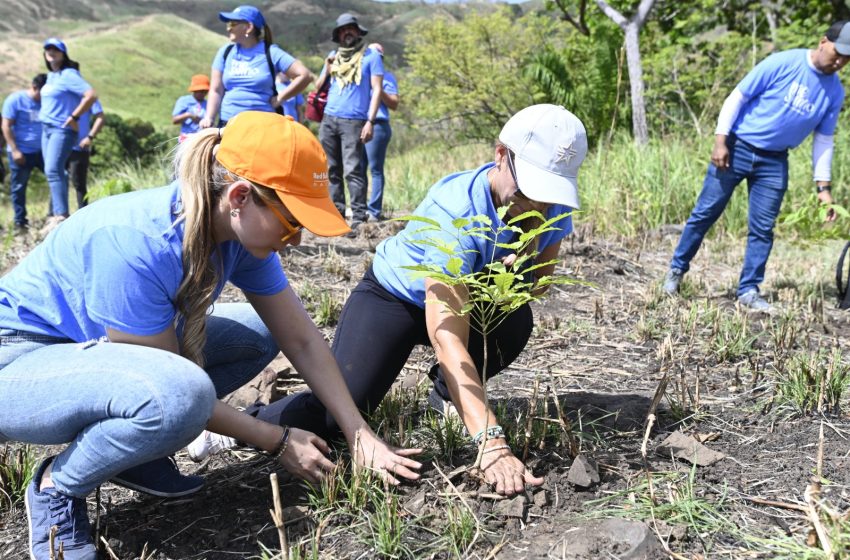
{"type": "Point", "coordinates": [374, 338]}
{"type": "Point", "coordinates": [78, 173]}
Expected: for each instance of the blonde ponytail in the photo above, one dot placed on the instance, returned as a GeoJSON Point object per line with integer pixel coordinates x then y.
{"type": "Point", "coordinates": [202, 180]}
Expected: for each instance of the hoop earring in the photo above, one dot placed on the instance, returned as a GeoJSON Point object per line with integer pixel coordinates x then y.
{"type": "Point", "coordinates": [234, 213]}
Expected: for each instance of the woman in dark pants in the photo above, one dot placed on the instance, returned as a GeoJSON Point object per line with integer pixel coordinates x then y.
{"type": "Point", "coordinates": [536, 165]}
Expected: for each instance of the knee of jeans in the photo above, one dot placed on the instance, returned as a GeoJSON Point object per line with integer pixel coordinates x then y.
{"type": "Point", "coordinates": [180, 405]}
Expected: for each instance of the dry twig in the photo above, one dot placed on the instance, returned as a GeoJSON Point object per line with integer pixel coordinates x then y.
{"type": "Point", "coordinates": [277, 517]}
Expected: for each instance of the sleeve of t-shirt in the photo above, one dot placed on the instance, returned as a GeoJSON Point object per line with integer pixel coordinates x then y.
{"type": "Point", "coordinates": [757, 80]}
{"type": "Point", "coordinates": [466, 246]}
{"type": "Point", "coordinates": [563, 227]}
{"type": "Point", "coordinates": [178, 108]}
{"type": "Point", "coordinates": [263, 277]}
{"type": "Point", "coordinates": [281, 59]}
{"type": "Point", "coordinates": [75, 83]}
{"type": "Point", "coordinates": [299, 99]}
{"type": "Point", "coordinates": [830, 120]}
{"type": "Point", "coordinates": [10, 107]}
{"type": "Point", "coordinates": [129, 281]}
{"type": "Point", "coordinates": [376, 64]}
{"type": "Point", "coordinates": [218, 59]}
{"type": "Point", "coordinates": [390, 84]}
{"type": "Point", "coordinates": [96, 107]}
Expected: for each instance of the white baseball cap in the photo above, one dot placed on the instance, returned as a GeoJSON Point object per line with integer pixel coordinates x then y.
{"type": "Point", "coordinates": [549, 143]}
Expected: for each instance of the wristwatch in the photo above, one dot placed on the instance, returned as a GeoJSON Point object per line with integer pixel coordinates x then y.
{"type": "Point", "coordinates": [74, 117]}
{"type": "Point", "coordinates": [824, 188]}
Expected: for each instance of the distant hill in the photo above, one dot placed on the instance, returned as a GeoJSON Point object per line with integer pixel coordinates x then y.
{"type": "Point", "coordinates": [140, 54]}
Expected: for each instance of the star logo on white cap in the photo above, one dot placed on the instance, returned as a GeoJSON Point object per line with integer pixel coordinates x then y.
{"type": "Point", "coordinates": [565, 153]}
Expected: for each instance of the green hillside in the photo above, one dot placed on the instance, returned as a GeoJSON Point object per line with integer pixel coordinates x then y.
{"type": "Point", "coordinates": [137, 75]}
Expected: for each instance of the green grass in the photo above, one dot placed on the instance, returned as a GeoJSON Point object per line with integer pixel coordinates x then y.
{"type": "Point", "coordinates": [17, 467]}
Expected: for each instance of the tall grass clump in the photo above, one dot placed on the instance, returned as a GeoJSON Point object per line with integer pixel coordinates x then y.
{"type": "Point", "coordinates": [814, 381]}
{"type": "Point", "coordinates": [17, 467]}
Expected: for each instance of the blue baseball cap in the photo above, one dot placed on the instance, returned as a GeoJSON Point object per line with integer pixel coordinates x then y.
{"type": "Point", "coordinates": [244, 13]}
{"type": "Point", "coordinates": [57, 43]}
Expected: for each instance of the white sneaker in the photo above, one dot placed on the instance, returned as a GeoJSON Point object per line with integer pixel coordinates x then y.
{"type": "Point", "coordinates": [208, 443]}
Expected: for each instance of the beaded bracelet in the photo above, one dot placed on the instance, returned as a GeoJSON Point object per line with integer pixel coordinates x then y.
{"type": "Point", "coordinates": [280, 448]}
{"type": "Point", "coordinates": [493, 432]}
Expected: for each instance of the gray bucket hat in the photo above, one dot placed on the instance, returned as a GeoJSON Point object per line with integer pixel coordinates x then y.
{"type": "Point", "coordinates": [342, 21]}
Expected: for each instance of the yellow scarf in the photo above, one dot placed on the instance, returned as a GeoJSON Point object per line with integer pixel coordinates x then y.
{"type": "Point", "coordinates": [347, 66]}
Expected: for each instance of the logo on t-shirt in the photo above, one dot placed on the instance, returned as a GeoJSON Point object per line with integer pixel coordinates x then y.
{"type": "Point", "coordinates": [798, 99]}
{"type": "Point", "coordinates": [242, 68]}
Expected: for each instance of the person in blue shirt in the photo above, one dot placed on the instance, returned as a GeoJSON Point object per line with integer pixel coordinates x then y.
{"type": "Point", "coordinates": [535, 167]}
{"type": "Point", "coordinates": [190, 109]}
{"type": "Point", "coordinates": [91, 123]}
{"type": "Point", "coordinates": [786, 97]}
{"type": "Point", "coordinates": [294, 106]}
{"type": "Point", "coordinates": [356, 75]}
{"type": "Point", "coordinates": [243, 73]}
{"type": "Point", "coordinates": [65, 98]}
{"type": "Point", "coordinates": [22, 132]}
{"type": "Point", "coordinates": [376, 150]}
{"type": "Point", "coordinates": [110, 342]}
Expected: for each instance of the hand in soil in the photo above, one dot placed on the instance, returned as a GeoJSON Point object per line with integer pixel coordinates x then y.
{"type": "Point", "coordinates": [373, 453]}
{"type": "Point", "coordinates": [306, 456]}
{"type": "Point", "coordinates": [507, 473]}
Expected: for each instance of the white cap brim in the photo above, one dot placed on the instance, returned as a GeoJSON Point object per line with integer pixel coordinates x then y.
{"type": "Point", "coordinates": [542, 185]}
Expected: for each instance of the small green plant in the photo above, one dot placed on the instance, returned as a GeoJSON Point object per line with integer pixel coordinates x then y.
{"type": "Point", "coordinates": [447, 432]}
{"type": "Point", "coordinates": [808, 221]}
{"type": "Point", "coordinates": [502, 286]}
{"type": "Point", "coordinates": [17, 467]}
{"type": "Point", "coordinates": [814, 382]}
{"type": "Point", "coordinates": [461, 527]}
{"type": "Point", "coordinates": [731, 338]}
{"type": "Point", "coordinates": [387, 526]}
{"type": "Point", "coordinates": [322, 305]}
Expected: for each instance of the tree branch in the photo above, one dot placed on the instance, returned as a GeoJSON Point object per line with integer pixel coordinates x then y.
{"type": "Point", "coordinates": [612, 13]}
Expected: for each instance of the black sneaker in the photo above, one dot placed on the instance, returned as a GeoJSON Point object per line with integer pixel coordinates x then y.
{"type": "Point", "coordinates": [159, 477]}
{"type": "Point", "coordinates": [355, 227]}
{"type": "Point", "coordinates": [50, 508]}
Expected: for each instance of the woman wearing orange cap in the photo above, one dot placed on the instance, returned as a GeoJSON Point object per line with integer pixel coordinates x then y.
{"type": "Point", "coordinates": [109, 340]}
{"type": "Point", "coordinates": [190, 109]}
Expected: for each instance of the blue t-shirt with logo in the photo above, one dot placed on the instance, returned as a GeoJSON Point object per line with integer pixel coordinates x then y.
{"type": "Point", "coordinates": [85, 124]}
{"type": "Point", "coordinates": [391, 87]}
{"type": "Point", "coordinates": [117, 263]}
{"type": "Point", "coordinates": [787, 100]}
{"type": "Point", "coordinates": [60, 96]}
{"type": "Point", "coordinates": [461, 195]}
{"type": "Point", "coordinates": [352, 101]}
{"type": "Point", "coordinates": [23, 109]}
{"type": "Point", "coordinates": [248, 82]}
{"type": "Point", "coordinates": [188, 104]}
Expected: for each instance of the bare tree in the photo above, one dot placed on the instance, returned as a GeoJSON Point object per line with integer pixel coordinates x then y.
{"type": "Point", "coordinates": [631, 29]}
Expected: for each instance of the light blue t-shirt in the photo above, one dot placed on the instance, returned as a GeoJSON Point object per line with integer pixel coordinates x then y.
{"type": "Point", "coordinates": [352, 101]}
{"type": "Point", "coordinates": [787, 100]}
{"type": "Point", "coordinates": [61, 95]}
{"type": "Point", "coordinates": [391, 87]}
{"type": "Point", "coordinates": [248, 83]}
{"type": "Point", "coordinates": [23, 109]}
{"type": "Point", "coordinates": [117, 263]}
{"type": "Point", "coordinates": [290, 106]}
{"type": "Point", "coordinates": [461, 195]}
{"type": "Point", "coordinates": [85, 123]}
{"type": "Point", "coordinates": [188, 104]}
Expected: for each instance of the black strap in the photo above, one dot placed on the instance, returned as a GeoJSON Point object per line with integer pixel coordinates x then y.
{"type": "Point", "coordinates": [229, 48]}
{"type": "Point", "coordinates": [843, 292]}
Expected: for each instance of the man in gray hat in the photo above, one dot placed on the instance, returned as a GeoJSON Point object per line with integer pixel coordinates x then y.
{"type": "Point", "coordinates": [356, 75]}
{"type": "Point", "coordinates": [786, 97]}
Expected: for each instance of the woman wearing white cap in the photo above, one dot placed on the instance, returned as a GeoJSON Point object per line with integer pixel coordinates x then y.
{"type": "Point", "coordinates": [536, 164]}
{"type": "Point", "coordinates": [243, 73]}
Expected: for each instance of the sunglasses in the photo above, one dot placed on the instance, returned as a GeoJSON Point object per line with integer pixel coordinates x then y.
{"type": "Point", "coordinates": [291, 229]}
{"type": "Point", "coordinates": [511, 166]}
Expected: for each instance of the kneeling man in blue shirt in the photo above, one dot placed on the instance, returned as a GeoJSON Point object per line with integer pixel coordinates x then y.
{"type": "Point", "coordinates": [786, 97]}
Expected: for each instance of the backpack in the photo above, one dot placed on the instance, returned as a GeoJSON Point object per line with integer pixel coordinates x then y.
{"type": "Point", "coordinates": [314, 110]}
{"type": "Point", "coordinates": [229, 48]}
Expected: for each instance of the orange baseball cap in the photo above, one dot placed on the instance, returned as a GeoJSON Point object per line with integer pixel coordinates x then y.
{"type": "Point", "coordinates": [276, 152]}
{"type": "Point", "coordinates": [199, 82]}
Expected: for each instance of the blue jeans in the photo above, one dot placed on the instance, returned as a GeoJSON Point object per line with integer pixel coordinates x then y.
{"type": "Point", "coordinates": [19, 177]}
{"type": "Point", "coordinates": [341, 141]}
{"type": "Point", "coordinates": [374, 156]}
{"type": "Point", "coordinates": [121, 405]}
{"type": "Point", "coordinates": [56, 146]}
{"type": "Point", "coordinates": [767, 180]}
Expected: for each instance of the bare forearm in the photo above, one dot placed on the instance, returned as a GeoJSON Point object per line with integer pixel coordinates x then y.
{"type": "Point", "coordinates": [9, 135]}
{"type": "Point", "coordinates": [228, 421]}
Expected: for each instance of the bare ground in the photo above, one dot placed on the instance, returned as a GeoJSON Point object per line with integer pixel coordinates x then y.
{"type": "Point", "coordinates": [602, 348]}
